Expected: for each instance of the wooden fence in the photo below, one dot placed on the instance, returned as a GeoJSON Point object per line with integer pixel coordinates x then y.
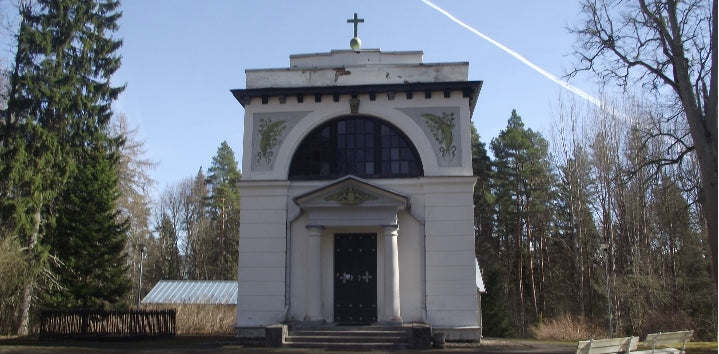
{"type": "Point", "coordinates": [61, 324]}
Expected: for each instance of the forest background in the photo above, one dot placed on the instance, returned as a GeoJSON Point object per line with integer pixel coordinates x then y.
{"type": "Point", "coordinates": [602, 224]}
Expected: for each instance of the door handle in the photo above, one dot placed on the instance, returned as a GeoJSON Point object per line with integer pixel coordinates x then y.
{"type": "Point", "coordinates": [366, 277]}
{"type": "Point", "coordinates": [345, 277]}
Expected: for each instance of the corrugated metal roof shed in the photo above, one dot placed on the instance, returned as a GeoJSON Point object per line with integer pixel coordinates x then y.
{"type": "Point", "coordinates": [193, 292]}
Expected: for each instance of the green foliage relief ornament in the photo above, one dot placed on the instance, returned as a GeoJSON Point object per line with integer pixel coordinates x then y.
{"type": "Point", "coordinates": [442, 129]}
{"type": "Point", "coordinates": [350, 196]}
{"type": "Point", "coordinates": [269, 137]}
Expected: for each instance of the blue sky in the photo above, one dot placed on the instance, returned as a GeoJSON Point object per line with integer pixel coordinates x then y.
{"type": "Point", "coordinates": [181, 58]}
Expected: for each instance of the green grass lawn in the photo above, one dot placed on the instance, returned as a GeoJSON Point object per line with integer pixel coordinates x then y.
{"type": "Point", "coordinates": [702, 347]}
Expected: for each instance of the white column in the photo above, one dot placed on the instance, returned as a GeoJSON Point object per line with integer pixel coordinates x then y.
{"type": "Point", "coordinates": [314, 274]}
{"type": "Point", "coordinates": [391, 276]}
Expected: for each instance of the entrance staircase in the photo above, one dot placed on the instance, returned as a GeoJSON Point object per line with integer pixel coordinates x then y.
{"type": "Point", "coordinates": [360, 338]}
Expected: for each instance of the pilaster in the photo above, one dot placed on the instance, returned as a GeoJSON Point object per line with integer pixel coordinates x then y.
{"type": "Point", "coordinates": [314, 275]}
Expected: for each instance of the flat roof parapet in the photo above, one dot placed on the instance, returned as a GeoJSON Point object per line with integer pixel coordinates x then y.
{"type": "Point", "coordinates": [347, 58]}
{"type": "Point", "coordinates": [351, 68]}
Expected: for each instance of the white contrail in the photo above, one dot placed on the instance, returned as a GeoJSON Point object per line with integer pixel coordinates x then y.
{"type": "Point", "coordinates": [524, 60]}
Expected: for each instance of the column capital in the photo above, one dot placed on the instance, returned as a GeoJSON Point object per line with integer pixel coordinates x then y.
{"type": "Point", "coordinates": [315, 227]}
{"type": "Point", "coordinates": [390, 227]}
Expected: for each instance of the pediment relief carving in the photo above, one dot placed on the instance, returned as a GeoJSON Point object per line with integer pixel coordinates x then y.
{"type": "Point", "coordinates": [351, 191]}
{"type": "Point", "coordinates": [350, 196]}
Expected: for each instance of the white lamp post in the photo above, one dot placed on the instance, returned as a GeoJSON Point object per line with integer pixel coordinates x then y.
{"type": "Point", "coordinates": [143, 249]}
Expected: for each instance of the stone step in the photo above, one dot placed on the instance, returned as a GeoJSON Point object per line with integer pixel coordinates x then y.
{"type": "Point", "coordinates": [330, 328]}
{"type": "Point", "coordinates": [349, 333]}
{"type": "Point", "coordinates": [347, 338]}
{"type": "Point", "coordinates": [347, 346]}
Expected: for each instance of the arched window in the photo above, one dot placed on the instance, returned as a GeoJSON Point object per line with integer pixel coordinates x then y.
{"type": "Point", "coordinates": [358, 145]}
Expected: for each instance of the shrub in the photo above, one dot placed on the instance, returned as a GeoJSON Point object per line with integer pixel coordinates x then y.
{"type": "Point", "coordinates": [13, 272]}
{"type": "Point", "coordinates": [196, 319]}
{"type": "Point", "coordinates": [567, 327]}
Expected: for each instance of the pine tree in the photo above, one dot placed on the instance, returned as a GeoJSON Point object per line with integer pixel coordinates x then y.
{"type": "Point", "coordinates": [483, 200]}
{"type": "Point", "coordinates": [523, 185]}
{"type": "Point", "coordinates": [224, 209]}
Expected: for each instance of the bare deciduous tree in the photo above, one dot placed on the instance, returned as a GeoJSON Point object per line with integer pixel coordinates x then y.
{"type": "Point", "coordinates": [135, 186]}
{"type": "Point", "coordinates": [669, 47]}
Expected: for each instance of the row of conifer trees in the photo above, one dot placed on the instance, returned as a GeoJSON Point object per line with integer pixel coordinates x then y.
{"type": "Point", "coordinates": [581, 227]}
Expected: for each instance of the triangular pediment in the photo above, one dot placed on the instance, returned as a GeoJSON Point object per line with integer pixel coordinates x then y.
{"type": "Point", "coordinates": [352, 191]}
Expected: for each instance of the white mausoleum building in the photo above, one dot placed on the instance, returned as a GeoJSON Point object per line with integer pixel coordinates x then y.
{"type": "Point", "coordinates": [356, 193]}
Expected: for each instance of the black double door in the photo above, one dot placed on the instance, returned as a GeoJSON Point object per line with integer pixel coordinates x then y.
{"type": "Point", "coordinates": [355, 278]}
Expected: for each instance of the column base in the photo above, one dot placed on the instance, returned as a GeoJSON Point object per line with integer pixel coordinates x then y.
{"type": "Point", "coordinates": [313, 322]}
{"type": "Point", "coordinates": [392, 323]}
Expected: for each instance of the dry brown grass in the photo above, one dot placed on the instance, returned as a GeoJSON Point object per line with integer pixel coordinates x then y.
{"type": "Point", "coordinates": [202, 319]}
{"type": "Point", "coordinates": [567, 327]}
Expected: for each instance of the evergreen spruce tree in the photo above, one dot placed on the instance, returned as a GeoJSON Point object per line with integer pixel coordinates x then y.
{"type": "Point", "coordinates": [72, 57]}
{"type": "Point", "coordinates": [496, 315]}
{"type": "Point", "coordinates": [30, 173]}
{"type": "Point", "coordinates": [59, 105]}
{"type": "Point", "coordinates": [88, 238]}
{"type": "Point", "coordinates": [169, 254]}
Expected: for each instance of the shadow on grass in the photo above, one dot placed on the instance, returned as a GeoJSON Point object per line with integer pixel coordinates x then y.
{"type": "Point", "coordinates": [178, 344]}
{"type": "Point", "coordinates": [229, 344]}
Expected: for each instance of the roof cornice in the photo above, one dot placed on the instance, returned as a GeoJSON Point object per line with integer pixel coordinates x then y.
{"type": "Point", "coordinates": [469, 89]}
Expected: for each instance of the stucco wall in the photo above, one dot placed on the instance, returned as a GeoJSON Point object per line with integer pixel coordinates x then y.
{"type": "Point", "coordinates": [261, 262]}
{"type": "Point", "coordinates": [436, 233]}
{"type": "Point", "coordinates": [450, 269]}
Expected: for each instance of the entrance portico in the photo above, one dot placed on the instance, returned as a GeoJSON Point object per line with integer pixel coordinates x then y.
{"type": "Point", "coordinates": [352, 203]}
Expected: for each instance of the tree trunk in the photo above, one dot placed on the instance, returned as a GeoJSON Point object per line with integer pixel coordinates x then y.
{"type": "Point", "coordinates": [543, 260]}
{"type": "Point", "coordinates": [702, 125]}
{"type": "Point", "coordinates": [28, 288]}
{"type": "Point", "coordinates": [520, 265]}
{"type": "Point", "coordinates": [531, 263]}
{"type": "Point", "coordinates": [23, 328]}
{"type": "Point", "coordinates": [708, 162]}
{"type": "Point", "coordinates": [579, 271]}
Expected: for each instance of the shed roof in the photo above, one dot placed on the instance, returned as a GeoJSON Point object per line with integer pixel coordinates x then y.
{"type": "Point", "coordinates": [222, 292]}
